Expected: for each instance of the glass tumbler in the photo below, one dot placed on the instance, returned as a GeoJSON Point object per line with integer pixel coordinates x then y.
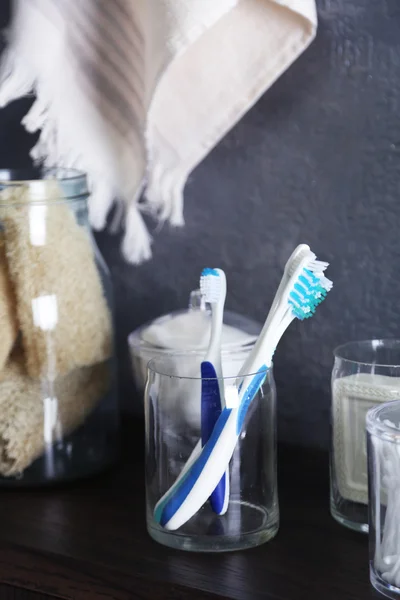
{"type": "Point", "coordinates": [365, 374]}
{"type": "Point", "coordinates": [252, 517]}
{"type": "Point", "coordinates": [383, 427]}
{"type": "Point", "coordinates": [59, 411]}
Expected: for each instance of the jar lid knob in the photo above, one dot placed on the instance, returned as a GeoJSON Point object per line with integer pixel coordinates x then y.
{"type": "Point", "coordinates": [196, 301]}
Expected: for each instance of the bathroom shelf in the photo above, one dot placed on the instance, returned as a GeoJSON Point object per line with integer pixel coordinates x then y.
{"type": "Point", "coordinates": [89, 541]}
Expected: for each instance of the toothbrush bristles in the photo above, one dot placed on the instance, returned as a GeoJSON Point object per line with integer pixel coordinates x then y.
{"type": "Point", "coordinates": [210, 285]}
{"type": "Point", "coordinates": [310, 289]}
{"type": "Point", "coordinates": [318, 266]}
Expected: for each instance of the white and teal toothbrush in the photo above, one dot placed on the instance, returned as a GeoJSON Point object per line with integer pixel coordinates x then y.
{"type": "Point", "coordinates": [303, 289]}
{"type": "Point", "coordinates": [213, 289]}
{"type": "Point", "coordinates": [301, 270]}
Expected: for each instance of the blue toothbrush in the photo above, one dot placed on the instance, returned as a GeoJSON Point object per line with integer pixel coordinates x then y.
{"type": "Point", "coordinates": [213, 289]}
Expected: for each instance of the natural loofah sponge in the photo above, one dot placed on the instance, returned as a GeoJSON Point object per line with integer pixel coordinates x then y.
{"type": "Point", "coordinates": [62, 312]}
{"type": "Point", "coordinates": [26, 413]}
{"type": "Point", "coordinates": [8, 321]}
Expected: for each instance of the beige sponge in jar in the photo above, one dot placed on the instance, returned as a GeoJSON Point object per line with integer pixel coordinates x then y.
{"type": "Point", "coordinates": [28, 416]}
{"type": "Point", "coordinates": [63, 314]}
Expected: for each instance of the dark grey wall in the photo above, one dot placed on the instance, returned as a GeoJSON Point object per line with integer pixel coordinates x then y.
{"type": "Point", "coordinates": [318, 161]}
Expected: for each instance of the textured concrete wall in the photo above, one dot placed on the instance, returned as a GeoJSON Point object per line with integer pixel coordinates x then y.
{"type": "Point", "coordinates": [317, 160]}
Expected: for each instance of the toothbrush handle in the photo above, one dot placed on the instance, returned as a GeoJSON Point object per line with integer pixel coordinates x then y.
{"type": "Point", "coordinates": [211, 407]}
{"type": "Point", "coordinates": [190, 491]}
{"type": "Point", "coordinates": [184, 499]}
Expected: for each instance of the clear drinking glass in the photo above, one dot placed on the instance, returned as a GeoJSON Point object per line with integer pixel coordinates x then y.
{"type": "Point", "coordinates": [252, 517]}
{"type": "Point", "coordinates": [383, 426]}
{"type": "Point", "coordinates": [365, 374]}
{"type": "Point", "coordinates": [59, 412]}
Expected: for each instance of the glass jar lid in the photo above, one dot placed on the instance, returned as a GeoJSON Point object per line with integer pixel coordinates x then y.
{"type": "Point", "coordinates": [189, 330]}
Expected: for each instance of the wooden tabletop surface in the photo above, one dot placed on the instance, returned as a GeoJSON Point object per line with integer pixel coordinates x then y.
{"type": "Point", "coordinates": [89, 541]}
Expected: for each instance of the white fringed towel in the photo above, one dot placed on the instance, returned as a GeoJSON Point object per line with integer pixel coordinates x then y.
{"type": "Point", "coordinates": [137, 92]}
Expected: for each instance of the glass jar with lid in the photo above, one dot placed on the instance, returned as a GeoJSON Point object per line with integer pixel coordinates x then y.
{"type": "Point", "coordinates": [185, 333]}
{"type": "Point", "coordinates": [58, 403]}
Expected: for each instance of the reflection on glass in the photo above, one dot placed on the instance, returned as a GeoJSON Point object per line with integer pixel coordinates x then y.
{"type": "Point", "coordinates": [37, 224]}
{"type": "Point", "coordinates": [45, 312]}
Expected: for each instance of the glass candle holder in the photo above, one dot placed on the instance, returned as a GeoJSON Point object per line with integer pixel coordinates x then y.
{"type": "Point", "coordinates": [365, 374]}
{"type": "Point", "coordinates": [252, 517]}
{"type": "Point", "coordinates": [383, 426]}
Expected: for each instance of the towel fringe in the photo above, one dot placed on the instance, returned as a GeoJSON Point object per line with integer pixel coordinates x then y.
{"type": "Point", "coordinates": [15, 81]}
{"type": "Point", "coordinates": [100, 201]}
{"type": "Point", "coordinates": [136, 245]}
{"type": "Point", "coordinates": [36, 117]}
{"type": "Point", "coordinates": [164, 194]}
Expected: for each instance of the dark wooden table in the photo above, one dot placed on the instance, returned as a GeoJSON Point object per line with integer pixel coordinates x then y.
{"type": "Point", "coordinates": [89, 541]}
